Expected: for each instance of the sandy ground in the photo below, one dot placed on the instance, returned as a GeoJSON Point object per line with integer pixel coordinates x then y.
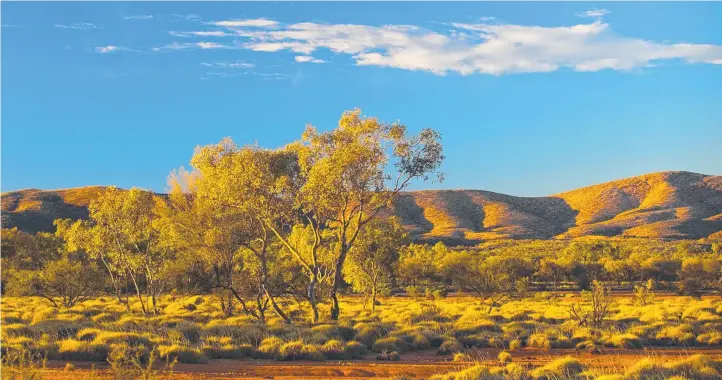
{"type": "Point", "coordinates": [417, 365]}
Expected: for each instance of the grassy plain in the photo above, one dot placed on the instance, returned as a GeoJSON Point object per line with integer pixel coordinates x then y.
{"type": "Point", "coordinates": [534, 337]}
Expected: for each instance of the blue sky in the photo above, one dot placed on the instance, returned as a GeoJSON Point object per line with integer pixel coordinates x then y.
{"type": "Point", "coordinates": [530, 98]}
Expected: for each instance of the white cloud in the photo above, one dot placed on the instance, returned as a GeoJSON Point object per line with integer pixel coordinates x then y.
{"type": "Point", "coordinates": [138, 17]}
{"type": "Point", "coordinates": [78, 25]}
{"type": "Point", "coordinates": [229, 65]}
{"type": "Point", "coordinates": [308, 58]}
{"type": "Point", "coordinates": [192, 45]}
{"type": "Point", "coordinates": [209, 45]}
{"type": "Point", "coordinates": [475, 48]}
{"type": "Point", "coordinates": [109, 49]}
{"type": "Point", "coordinates": [253, 74]}
{"type": "Point", "coordinates": [184, 17]}
{"type": "Point", "coordinates": [211, 33]}
{"type": "Point", "coordinates": [249, 23]}
{"type": "Point", "coordinates": [485, 47]}
{"type": "Point", "coordinates": [594, 13]}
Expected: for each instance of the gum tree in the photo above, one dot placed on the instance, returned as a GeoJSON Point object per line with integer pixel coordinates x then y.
{"type": "Point", "coordinates": [370, 264]}
{"type": "Point", "coordinates": [350, 174]}
{"type": "Point", "coordinates": [121, 233]}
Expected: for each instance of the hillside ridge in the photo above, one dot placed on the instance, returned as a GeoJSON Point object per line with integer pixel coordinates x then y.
{"type": "Point", "coordinates": [668, 204]}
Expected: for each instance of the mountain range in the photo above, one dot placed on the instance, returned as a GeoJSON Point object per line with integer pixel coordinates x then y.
{"type": "Point", "coordinates": [668, 205]}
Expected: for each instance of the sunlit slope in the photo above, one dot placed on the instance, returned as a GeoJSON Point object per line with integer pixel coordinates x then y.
{"type": "Point", "coordinates": [475, 215]}
{"type": "Point", "coordinates": [666, 204]}
{"type": "Point", "coordinates": [33, 210]}
{"type": "Point", "coordinates": [659, 205]}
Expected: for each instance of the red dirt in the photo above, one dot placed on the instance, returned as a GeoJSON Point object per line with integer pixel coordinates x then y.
{"type": "Point", "coordinates": [418, 365]}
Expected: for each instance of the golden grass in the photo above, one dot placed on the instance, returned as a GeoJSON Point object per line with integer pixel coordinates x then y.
{"type": "Point", "coordinates": [453, 326]}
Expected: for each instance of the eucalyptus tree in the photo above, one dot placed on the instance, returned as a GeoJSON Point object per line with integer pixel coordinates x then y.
{"type": "Point", "coordinates": [372, 260]}
{"type": "Point", "coordinates": [321, 190]}
{"type": "Point", "coordinates": [121, 233]}
{"type": "Point", "coordinates": [350, 174]}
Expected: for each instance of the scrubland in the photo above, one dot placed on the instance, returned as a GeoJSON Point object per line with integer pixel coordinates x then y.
{"type": "Point", "coordinates": [194, 329]}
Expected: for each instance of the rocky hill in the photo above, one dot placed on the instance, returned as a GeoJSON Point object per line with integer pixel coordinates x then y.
{"type": "Point", "coordinates": [673, 205]}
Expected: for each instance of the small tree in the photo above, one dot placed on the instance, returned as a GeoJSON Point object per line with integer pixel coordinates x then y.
{"type": "Point", "coordinates": [122, 234]}
{"type": "Point", "coordinates": [596, 308]}
{"type": "Point", "coordinates": [372, 260]}
{"type": "Point", "coordinates": [63, 282]}
{"type": "Point", "coordinates": [644, 293]}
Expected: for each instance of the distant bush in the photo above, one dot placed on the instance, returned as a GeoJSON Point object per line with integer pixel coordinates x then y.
{"type": "Point", "coordinates": [388, 356]}
{"type": "Point", "coordinates": [564, 368]}
{"type": "Point", "coordinates": [183, 354]}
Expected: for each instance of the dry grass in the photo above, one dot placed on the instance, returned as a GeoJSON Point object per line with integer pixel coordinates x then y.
{"type": "Point", "coordinates": [455, 328]}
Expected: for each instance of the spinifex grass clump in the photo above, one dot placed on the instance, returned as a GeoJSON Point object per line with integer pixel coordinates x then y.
{"type": "Point", "coordinates": [452, 328]}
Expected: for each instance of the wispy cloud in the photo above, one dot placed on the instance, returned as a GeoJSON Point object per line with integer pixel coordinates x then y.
{"type": "Point", "coordinates": [252, 74]}
{"type": "Point", "coordinates": [193, 45]}
{"type": "Point", "coordinates": [248, 23]}
{"type": "Point", "coordinates": [484, 48]}
{"type": "Point", "coordinates": [184, 17]}
{"type": "Point", "coordinates": [138, 17]}
{"type": "Point", "coordinates": [594, 13]}
{"type": "Point", "coordinates": [78, 25]}
{"type": "Point", "coordinates": [229, 65]}
{"type": "Point", "coordinates": [308, 58]}
{"type": "Point", "coordinates": [110, 49]}
{"type": "Point", "coordinates": [208, 33]}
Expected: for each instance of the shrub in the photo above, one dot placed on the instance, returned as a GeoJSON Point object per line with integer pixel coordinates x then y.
{"type": "Point", "coordinates": [462, 357]}
{"type": "Point", "coordinates": [477, 340]}
{"type": "Point", "coordinates": [18, 329]}
{"type": "Point", "coordinates": [539, 341]}
{"type": "Point", "coordinates": [71, 349]}
{"type": "Point", "coordinates": [388, 344]}
{"type": "Point", "coordinates": [449, 346]}
{"type": "Point", "coordinates": [646, 369]}
{"type": "Point", "coordinates": [681, 334]}
{"type": "Point", "coordinates": [419, 341]}
{"type": "Point", "coordinates": [428, 313]}
{"type": "Point", "coordinates": [504, 357]}
{"type": "Point", "coordinates": [88, 334]}
{"type": "Point", "coordinates": [472, 373]}
{"type": "Point", "coordinates": [355, 349]}
{"type": "Point", "coordinates": [183, 354]}
{"type": "Point", "coordinates": [586, 345]}
{"type": "Point", "coordinates": [22, 364]}
{"type": "Point", "coordinates": [269, 347]}
{"type": "Point", "coordinates": [623, 341]}
{"type": "Point", "coordinates": [58, 327]}
{"type": "Point", "coordinates": [389, 356]}
{"type": "Point", "coordinates": [368, 333]}
{"type": "Point", "coordinates": [298, 351]}
{"type": "Point", "coordinates": [228, 351]}
{"type": "Point", "coordinates": [104, 317]}
{"type": "Point", "coordinates": [713, 338]}
{"type": "Point", "coordinates": [251, 334]}
{"type": "Point", "coordinates": [334, 332]}
{"type": "Point", "coordinates": [334, 349]}
{"type": "Point", "coordinates": [513, 371]}
{"type": "Point", "coordinates": [290, 351]}
{"type": "Point", "coordinates": [514, 345]}
{"type": "Point", "coordinates": [131, 339]}
{"type": "Point", "coordinates": [564, 368]}
{"type": "Point", "coordinates": [695, 367]}
{"type": "Point", "coordinates": [189, 331]}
